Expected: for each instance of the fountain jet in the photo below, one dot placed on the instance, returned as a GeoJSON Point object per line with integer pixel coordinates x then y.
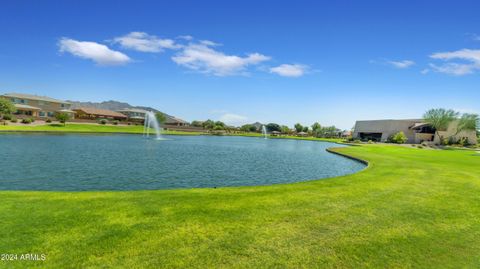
{"type": "Point", "coordinates": [151, 122]}
{"type": "Point", "coordinates": [264, 131]}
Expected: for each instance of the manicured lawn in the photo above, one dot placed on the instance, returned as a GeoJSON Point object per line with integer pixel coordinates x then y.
{"type": "Point", "coordinates": [84, 128]}
{"type": "Point", "coordinates": [412, 208]}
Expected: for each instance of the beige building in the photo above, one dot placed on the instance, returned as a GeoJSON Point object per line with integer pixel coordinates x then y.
{"type": "Point", "coordinates": [37, 106]}
{"type": "Point", "coordinates": [416, 130]}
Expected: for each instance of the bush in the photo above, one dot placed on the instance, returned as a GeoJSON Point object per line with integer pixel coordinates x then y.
{"type": "Point", "coordinates": [398, 138]}
{"type": "Point", "coordinates": [7, 117]}
{"type": "Point", "coordinates": [420, 146]}
{"type": "Point", "coordinates": [115, 122]}
{"type": "Point", "coordinates": [32, 120]}
{"type": "Point", "coordinates": [370, 142]}
{"type": "Point", "coordinates": [26, 121]}
{"type": "Point", "coordinates": [358, 141]}
{"type": "Point", "coordinates": [48, 121]}
{"type": "Point", "coordinates": [102, 121]}
{"type": "Point", "coordinates": [13, 120]}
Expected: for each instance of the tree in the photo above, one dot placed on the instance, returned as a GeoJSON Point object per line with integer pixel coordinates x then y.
{"type": "Point", "coordinates": [208, 124]}
{"type": "Point", "coordinates": [273, 127]}
{"type": "Point", "coordinates": [248, 128]}
{"type": "Point", "coordinates": [305, 129]}
{"type": "Point", "coordinates": [6, 107]}
{"type": "Point", "coordinates": [440, 119]}
{"type": "Point", "coordinates": [468, 122]}
{"type": "Point", "coordinates": [316, 126]}
{"type": "Point", "coordinates": [62, 117]}
{"type": "Point", "coordinates": [197, 123]}
{"type": "Point", "coordinates": [161, 117]}
{"type": "Point", "coordinates": [284, 129]}
{"type": "Point", "coordinates": [298, 127]}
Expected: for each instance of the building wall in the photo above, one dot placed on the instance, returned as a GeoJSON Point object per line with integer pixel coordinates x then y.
{"type": "Point", "coordinates": [386, 127]}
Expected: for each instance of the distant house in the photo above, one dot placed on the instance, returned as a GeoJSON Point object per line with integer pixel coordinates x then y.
{"type": "Point", "coordinates": [416, 130]}
{"type": "Point", "coordinates": [303, 134]}
{"type": "Point", "coordinates": [38, 106]}
{"type": "Point", "coordinates": [134, 114]}
{"type": "Point", "coordinates": [90, 113]}
{"type": "Point", "coordinates": [173, 121]}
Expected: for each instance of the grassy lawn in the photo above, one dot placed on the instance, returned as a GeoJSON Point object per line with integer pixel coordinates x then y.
{"type": "Point", "coordinates": [412, 208]}
{"type": "Point", "coordinates": [85, 128]}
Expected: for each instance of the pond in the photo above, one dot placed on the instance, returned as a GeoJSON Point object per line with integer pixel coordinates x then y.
{"type": "Point", "coordinates": [75, 162]}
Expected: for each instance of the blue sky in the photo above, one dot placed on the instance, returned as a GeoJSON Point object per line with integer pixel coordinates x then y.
{"type": "Point", "coordinates": [271, 61]}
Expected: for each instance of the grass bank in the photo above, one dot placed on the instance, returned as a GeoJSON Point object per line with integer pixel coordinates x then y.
{"type": "Point", "coordinates": [412, 208]}
{"type": "Point", "coordinates": [84, 128]}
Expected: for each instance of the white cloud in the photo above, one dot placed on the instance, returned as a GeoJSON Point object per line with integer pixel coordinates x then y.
{"type": "Point", "coordinates": [470, 62]}
{"type": "Point", "coordinates": [233, 119]}
{"type": "Point", "coordinates": [290, 70]}
{"type": "Point", "coordinates": [185, 37]}
{"type": "Point", "coordinates": [144, 42]}
{"type": "Point", "coordinates": [96, 52]}
{"type": "Point", "coordinates": [401, 64]}
{"type": "Point", "coordinates": [202, 58]}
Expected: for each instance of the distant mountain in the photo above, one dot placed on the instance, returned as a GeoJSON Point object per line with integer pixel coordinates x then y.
{"type": "Point", "coordinates": [110, 105]}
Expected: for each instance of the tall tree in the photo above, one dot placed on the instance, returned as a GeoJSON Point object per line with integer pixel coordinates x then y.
{"type": "Point", "coordinates": [440, 118]}
{"type": "Point", "coordinates": [468, 122]}
{"type": "Point", "coordinates": [316, 126]}
{"type": "Point", "coordinates": [6, 107]}
{"type": "Point", "coordinates": [298, 127]}
{"type": "Point", "coordinates": [273, 127]}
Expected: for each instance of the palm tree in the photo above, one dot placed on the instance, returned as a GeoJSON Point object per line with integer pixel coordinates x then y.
{"type": "Point", "coordinates": [440, 119]}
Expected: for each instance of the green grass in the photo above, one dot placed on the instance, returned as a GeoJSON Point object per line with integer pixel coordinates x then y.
{"type": "Point", "coordinates": [84, 128]}
{"type": "Point", "coordinates": [411, 208]}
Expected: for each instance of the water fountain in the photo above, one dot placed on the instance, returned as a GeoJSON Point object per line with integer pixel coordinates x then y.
{"type": "Point", "coordinates": [151, 122]}
{"type": "Point", "coordinates": [264, 131]}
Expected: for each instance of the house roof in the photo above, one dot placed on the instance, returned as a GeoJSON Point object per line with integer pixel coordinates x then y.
{"type": "Point", "coordinates": [137, 110]}
{"type": "Point", "coordinates": [419, 125]}
{"type": "Point", "coordinates": [171, 119]}
{"type": "Point", "coordinates": [26, 107]}
{"type": "Point", "coordinates": [100, 112]}
{"type": "Point", "coordinates": [34, 97]}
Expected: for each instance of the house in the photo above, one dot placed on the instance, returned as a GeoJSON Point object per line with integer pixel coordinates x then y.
{"type": "Point", "coordinates": [134, 114]}
{"type": "Point", "coordinates": [38, 106]}
{"type": "Point", "coordinates": [90, 113]}
{"type": "Point", "coordinates": [416, 130]}
{"type": "Point", "coordinates": [173, 121]}
{"type": "Point", "coordinates": [302, 134]}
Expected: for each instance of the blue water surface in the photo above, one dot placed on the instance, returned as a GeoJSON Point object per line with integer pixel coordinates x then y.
{"type": "Point", "coordinates": [71, 162]}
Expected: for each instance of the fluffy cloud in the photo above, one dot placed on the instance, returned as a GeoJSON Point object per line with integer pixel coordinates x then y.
{"type": "Point", "coordinates": [203, 58]}
{"type": "Point", "coordinates": [233, 119]}
{"type": "Point", "coordinates": [467, 62]}
{"type": "Point", "coordinates": [290, 70]}
{"type": "Point", "coordinates": [96, 52]}
{"type": "Point", "coordinates": [401, 64]}
{"type": "Point", "coordinates": [144, 42]}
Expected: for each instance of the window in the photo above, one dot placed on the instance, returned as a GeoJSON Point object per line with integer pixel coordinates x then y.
{"type": "Point", "coordinates": [41, 114]}
{"type": "Point", "coordinates": [50, 114]}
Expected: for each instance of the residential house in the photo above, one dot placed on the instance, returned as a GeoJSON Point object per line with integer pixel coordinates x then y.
{"type": "Point", "coordinates": [38, 106]}
{"type": "Point", "coordinates": [416, 131]}
{"type": "Point", "coordinates": [90, 113]}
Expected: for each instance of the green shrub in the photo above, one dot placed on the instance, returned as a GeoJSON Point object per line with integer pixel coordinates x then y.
{"type": "Point", "coordinates": [398, 138]}
{"type": "Point", "coordinates": [13, 120]}
{"type": "Point", "coordinates": [27, 121]}
{"type": "Point", "coordinates": [7, 117]}
{"type": "Point", "coordinates": [370, 142]}
{"type": "Point", "coordinates": [420, 146]}
{"type": "Point", "coordinates": [103, 121]}
{"type": "Point", "coordinates": [358, 141]}
{"type": "Point", "coordinates": [48, 121]}
{"type": "Point", "coordinates": [115, 122]}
